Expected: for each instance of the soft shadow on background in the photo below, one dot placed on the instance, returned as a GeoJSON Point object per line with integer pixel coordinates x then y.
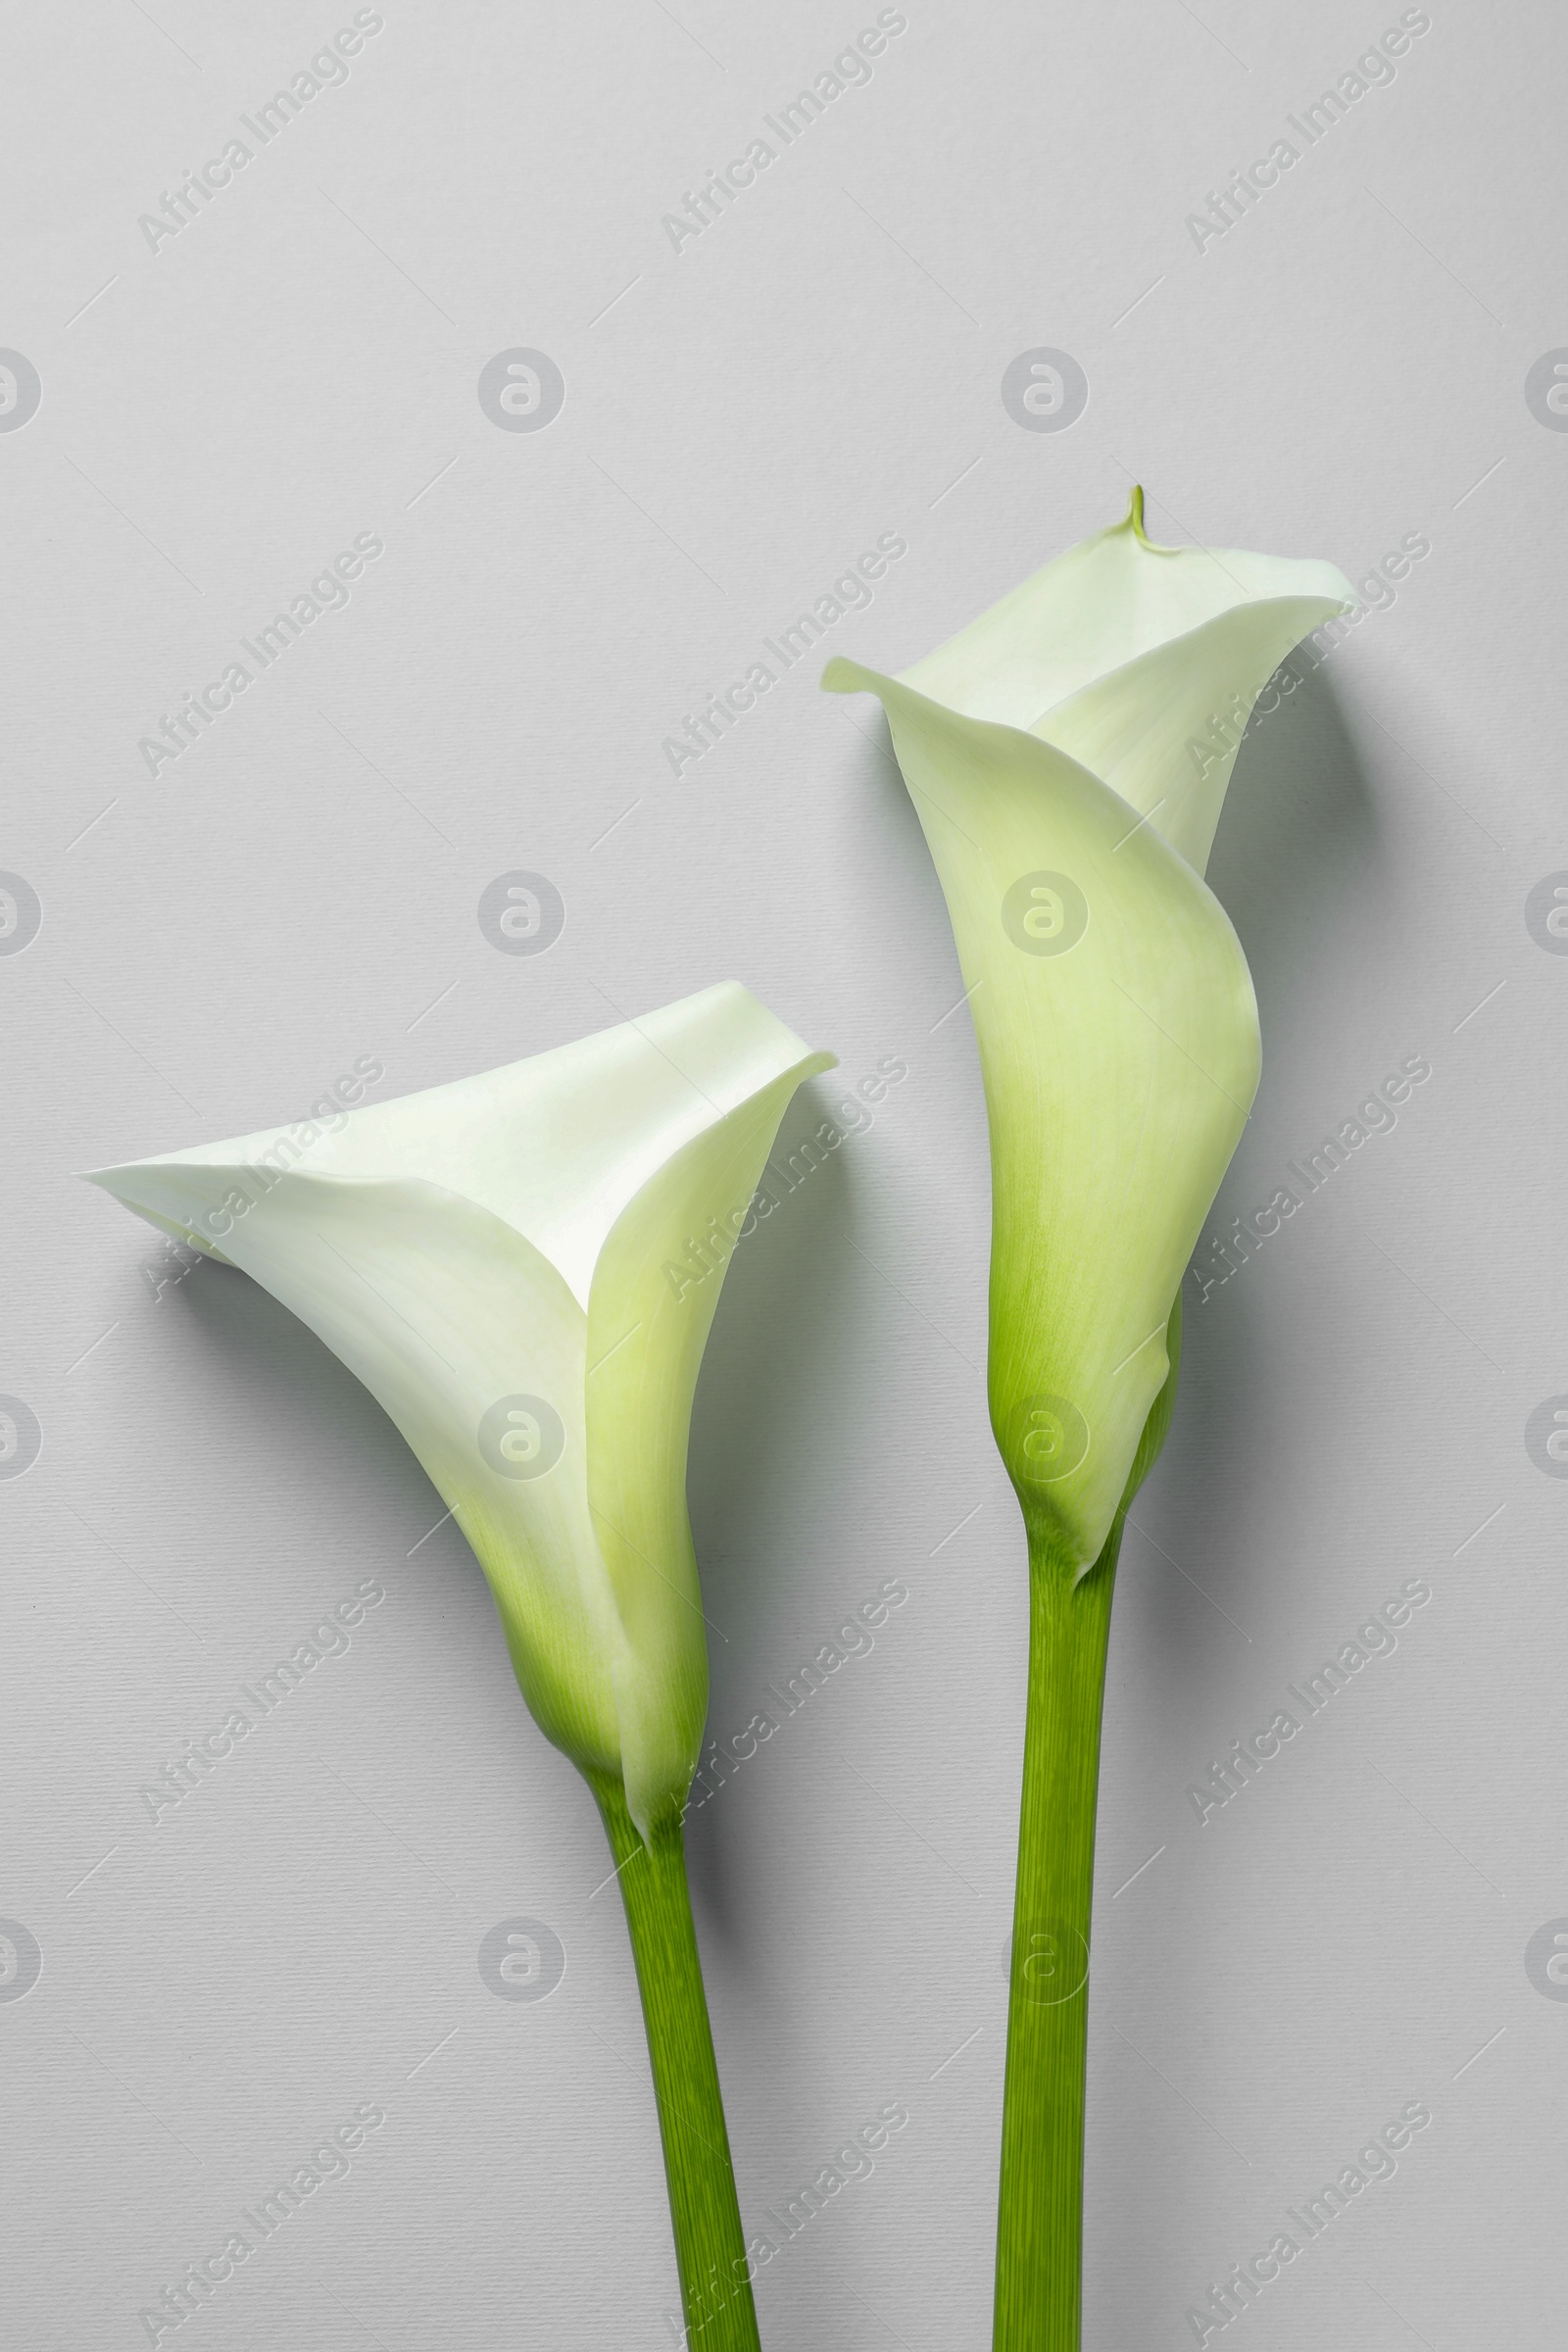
{"type": "Point", "coordinates": [784, 1315]}
{"type": "Point", "coordinates": [257, 1351]}
{"type": "Point", "coordinates": [1298, 842]}
{"type": "Point", "coordinates": [1300, 865]}
{"type": "Point", "coordinates": [285, 1422]}
{"type": "Point", "coordinates": [1297, 867]}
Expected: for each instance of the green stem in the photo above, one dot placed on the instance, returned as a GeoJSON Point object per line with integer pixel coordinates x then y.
{"type": "Point", "coordinates": [705, 2214]}
{"type": "Point", "coordinates": [1039, 2306]}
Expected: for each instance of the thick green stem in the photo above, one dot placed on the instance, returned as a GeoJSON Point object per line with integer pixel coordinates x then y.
{"type": "Point", "coordinates": [709, 2245]}
{"type": "Point", "coordinates": [1039, 2305]}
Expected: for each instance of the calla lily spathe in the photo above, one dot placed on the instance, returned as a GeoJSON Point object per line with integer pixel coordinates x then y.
{"type": "Point", "coordinates": [1069, 753]}
{"type": "Point", "coordinates": [492, 1258]}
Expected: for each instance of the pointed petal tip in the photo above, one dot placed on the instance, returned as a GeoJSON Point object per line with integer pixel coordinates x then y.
{"type": "Point", "coordinates": [123, 1182]}
{"type": "Point", "coordinates": [1134, 521]}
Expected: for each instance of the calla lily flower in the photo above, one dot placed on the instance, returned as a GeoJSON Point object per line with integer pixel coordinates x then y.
{"type": "Point", "coordinates": [1068, 754]}
{"type": "Point", "coordinates": [522, 1270]}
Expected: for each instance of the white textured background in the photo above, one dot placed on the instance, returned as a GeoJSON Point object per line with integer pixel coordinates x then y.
{"type": "Point", "coordinates": [219, 415]}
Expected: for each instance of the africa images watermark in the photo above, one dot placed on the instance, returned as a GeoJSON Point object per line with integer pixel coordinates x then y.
{"type": "Point", "coordinates": [202, 2280]}
{"type": "Point", "coordinates": [849, 70]}
{"type": "Point", "coordinates": [1247, 710]}
{"type": "Point", "coordinates": [1230, 2300]}
{"type": "Point", "coordinates": [180, 206]}
{"type": "Point", "coordinates": [1377, 1637]}
{"type": "Point", "coordinates": [201, 1757]}
{"type": "Point", "coordinates": [854, 1639]}
{"type": "Point", "coordinates": [705, 1253]}
{"type": "Point", "coordinates": [850, 2162]}
{"type": "Point", "coordinates": [327, 592]}
{"type": "Point", "coordinates": [1373, 70]}
{"type": "Point", "coordinates": [1215, 1263]}
{"type": "Point", "coordinates": [328, 1113]}
{"type": "Point", "coordinates": [182, 1253]}
{"type": "Point", "coordinates": [851, 590]}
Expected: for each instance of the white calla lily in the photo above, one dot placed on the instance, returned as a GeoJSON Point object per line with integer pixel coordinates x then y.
{"type": "Point", "coordinates": [523, 1268]}
{"type": "Point", "coordinates": [1068, 754]}
{"type": "Point", "coordinates": [1141, 663]}
{"type": "Point", "coordinates": [489, 1259]}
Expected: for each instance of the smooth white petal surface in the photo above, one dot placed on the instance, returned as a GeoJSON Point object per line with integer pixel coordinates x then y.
{"type": "Point", "coordinates": [1118, 1075]}
{"type": "Point", "coordinates": [645, 1336]}
{"type": "Point", "coordinates": [492, 1258]}
{"type": "Point", "coordinates": [1106, 602]}
{"type": "Point", "coordinates": [1164, 732]}
{"type": "Point", "coordinates": [1123, 654]}
{"type": "Point", "coordinates": [555, 1145]}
